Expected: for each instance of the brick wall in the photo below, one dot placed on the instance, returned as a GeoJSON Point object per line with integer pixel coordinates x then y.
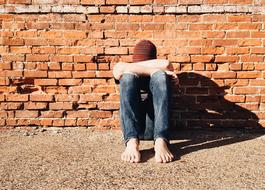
{"type": "Point", "coordinates": [57, 58]}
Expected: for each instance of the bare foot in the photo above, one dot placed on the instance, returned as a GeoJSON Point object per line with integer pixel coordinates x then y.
{"type": "Point", "coordinates": [162, 153]}
{"type": "Point", "coordinates": [131, 153]}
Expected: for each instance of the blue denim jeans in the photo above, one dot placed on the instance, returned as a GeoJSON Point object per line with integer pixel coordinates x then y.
{"type": "Point", "coordinates": [148, 118]}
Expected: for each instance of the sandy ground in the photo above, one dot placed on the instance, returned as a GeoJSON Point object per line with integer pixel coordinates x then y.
{"type": "Point", "coordinates": [85, 159]}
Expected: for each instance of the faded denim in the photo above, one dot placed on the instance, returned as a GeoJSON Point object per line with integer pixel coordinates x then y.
{"type": "Point", "coordinates": [144, 117]}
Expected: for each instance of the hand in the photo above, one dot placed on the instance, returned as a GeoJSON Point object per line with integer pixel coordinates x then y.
{"type": "Point", "coordinates": [174, 77]}
{"type": "Point", "coordinates": [118, 70]}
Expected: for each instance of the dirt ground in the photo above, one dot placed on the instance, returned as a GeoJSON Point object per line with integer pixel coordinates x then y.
{"type": "Point", "coordinates": [85, 159]}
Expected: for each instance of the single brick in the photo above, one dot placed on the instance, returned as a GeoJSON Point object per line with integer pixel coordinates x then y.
{"type": "Point", "coordinates": [16, 97]}
{"type": "Point", "coordinates": [70, 82]}
{"type": "Point", "coordinates": [78, 114]}
{"type": "Point", "coordinates": [41, 97]}
{"type": "Point", "coordinates": [61, 106]}
{"type": "Point", "coordinates": [51, 114]}
{"type": "Point", "coordinates": [35, 106]}
{"type": "Point", "coordinates": [35, 74]}
{"type": "Point", "coordinates": [26, 114]}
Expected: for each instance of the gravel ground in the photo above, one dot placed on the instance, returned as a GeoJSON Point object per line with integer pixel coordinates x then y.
{"type": "Point", "coordinates": [87, 159]}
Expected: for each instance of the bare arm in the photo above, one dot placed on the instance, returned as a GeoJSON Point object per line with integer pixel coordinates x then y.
{"type": "Point", "coordinates": [162, 64]}
{"type": "Point", "coordinates": [138, 69]}
{"type": "Point", "coordinates": [143, 68]}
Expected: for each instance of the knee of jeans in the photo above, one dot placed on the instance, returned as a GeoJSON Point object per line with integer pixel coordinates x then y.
{"type": "Point", "coordinates": [159, 78]}
{"type": "Point", "coordinates": [128, 79]}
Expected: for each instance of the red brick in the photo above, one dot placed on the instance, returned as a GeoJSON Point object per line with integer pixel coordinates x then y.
{"type": "Point", "coordinates": [107, 9]}
{"type": "Point", "coordinates": [54, 66]}
{"type": "Point", "coordinates": [238, 34]}
{"type": "Point", "coordinates": [17, 97]}
{"type": "Point", "coordinates": [224, 75]}
{"type": "Point", "coordinates": [18, 1]}
{"type": "Point", "coordinates": [221, 58]}
{"type": "Point", "coordinates": [3, 114]}
{"type": "Point", "coordinates": [79, 67]}
{"type": "Point", "coordinates": [43, 50]}
{"type": "Point", "coordinates": [13, 42]}
{"type": "Point", "coordinates": [245, 90]}
{"type": "Point", "coordinates": [100, 114]}
{"type": "Point", "coordinates": [83, 58]}
{"type": "Point", "coordinates": [108, 106]}
{"type": "Point", "coordinates": [103, 66]}
{"type": "Point", "coordinates": [235, 67]}
{"type": "Point", "coordinates": [2, 97]}
{"type": "Point", "coordinates": [93, 2]}
{"type": "Point", "coordinates": [60, 74]}
{"type": "Point", "coordinates": [95, 97]}
{"type": "Point", "coordinates": [140, 2]}
{"type": "Point", "coordinates": [18, 50]}
{"type": "Point", "coordinates": [78, 114]}
{"type": "Point", "coordinates": [235, 98]}
{"type": "Point", "coordinates": [61, 58]}
{"type": "Point", "coordinates": [66, 98]}
{"type": "Point", "coordinates": [37, 25]}
{"type": "Point", "coordinates": [251, 98]}
{"type": "Point", "coordinates": [58, 123]}
{"type": "Point", "coordinates": [61, 106]}
{"type": "Point", "coordinates": [200, 26]}
{"type": "Point", "coordinates": [252, 58]}
{"type": "Point", "coordinates": [27, 114]}
{"type": "Point", "coordinates": [35, 74]}
{"type": "Point", "coordinates": [11, 106]}
{"type": "Point", "coordinates": [13, 57]}
{"type": "Point", "coordinates": [234, 50]}
{"type": "Point", "coordinates": [152, 27]}
{"type": "Point", "coordinates": [257, 82]}
{"type": "Point", "coordinates": [2, 122]}
{"type": "Point", "coordinates": [51, 114]}
{"type": "Point", "coordinates": [120, 2]}
{"type": "Point", "coordinates": [104, 89]}
{"type": "Point", "coordinates": [202, 58]}
{"type": "Point", "coordinates": [41, 97]}
{"type": "Point", "coordinates": [109, 123]}
{"type": "Point", "coordinates": [127, 26]}
{"type": "Point", "coordinates": [67, 66]}
{"type": "Point", "coordinates": [35, 106]}
{"type": "Point", "coordinates": [104, 74]}
{"type": "Point", "coordinates": [70, 82]}
{"type": "Point", "coordinates": [249, 42]}
{"type": "Point", "coordinates": [45, 82]}
{"type": "Point", "coordinates": [84, 74]}
{"type": "Point", "coordinates": [239, 18]}
{"type": "Point", "coordinates": [11, 122]}
{"type": "Point", "coordinates": [74, 35]}
{"type": "Point", "coordinates": [84, 89]}
{"type": "Point", "coordinates": [70, 122]}
{"type": "Point", "coordinates": [249, 74]}
{"type": "Point", "coordinates": [46, 122]}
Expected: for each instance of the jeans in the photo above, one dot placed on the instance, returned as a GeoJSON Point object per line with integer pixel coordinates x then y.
{"type": "Point", "coordinates": [144, 119]}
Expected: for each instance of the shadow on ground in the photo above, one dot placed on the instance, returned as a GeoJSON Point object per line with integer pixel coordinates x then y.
{"type": "Point", "coordinates": [212, 121]}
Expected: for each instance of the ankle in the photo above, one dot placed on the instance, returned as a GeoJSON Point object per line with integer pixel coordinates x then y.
{"type": "Point", "coordinates": [160, 140]}
{"type": "Point", "coordinates": [133, 142]}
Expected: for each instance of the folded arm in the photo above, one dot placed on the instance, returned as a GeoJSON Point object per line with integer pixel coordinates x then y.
{"type": "Point", "coordinates": [143, 68]}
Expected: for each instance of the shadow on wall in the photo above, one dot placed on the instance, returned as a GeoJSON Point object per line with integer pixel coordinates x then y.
{"type": "Point", "coordinates": [200, 105]}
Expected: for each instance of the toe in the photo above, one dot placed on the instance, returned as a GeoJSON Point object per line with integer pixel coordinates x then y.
{"type": "Point", "coordinates": [127, 158]}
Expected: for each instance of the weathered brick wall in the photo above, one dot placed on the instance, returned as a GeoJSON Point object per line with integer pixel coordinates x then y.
{"type": "Point", "coordinates": [57, 58]}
